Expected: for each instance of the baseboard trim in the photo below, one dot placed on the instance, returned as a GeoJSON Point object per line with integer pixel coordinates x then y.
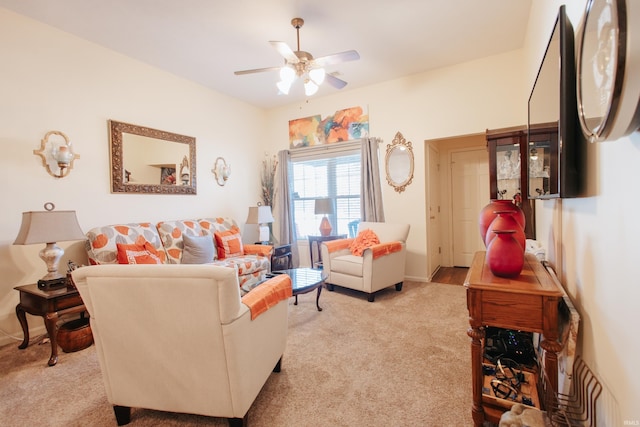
{"type": "Point", "coordinates": [416, 279]}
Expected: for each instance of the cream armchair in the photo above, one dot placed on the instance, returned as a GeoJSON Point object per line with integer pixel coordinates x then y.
{"type": "Point", "coordinates": [179, 338]}
{"type": "Point", "coordinates": [380, 266]}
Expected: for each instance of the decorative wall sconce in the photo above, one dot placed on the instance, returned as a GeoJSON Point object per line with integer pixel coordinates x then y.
{"type": "Point", "coordinates": [57, 156]}
{"type": "Point", "coordinates": [222, 171]}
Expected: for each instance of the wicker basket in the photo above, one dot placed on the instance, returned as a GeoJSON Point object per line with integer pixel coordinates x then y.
{"type": "Point", "coordinates": [75, 335]}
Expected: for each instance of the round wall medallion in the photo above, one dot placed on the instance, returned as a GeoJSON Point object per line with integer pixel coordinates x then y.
{"type": "Point", "coordinates": [609, 70]}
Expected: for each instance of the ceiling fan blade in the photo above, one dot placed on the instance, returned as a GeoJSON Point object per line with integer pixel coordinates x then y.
{"type": "Point", "coordinates": [337, 58]}
{"type": "Point", "coordinates": [284, 50]}
{"type": "Point", "coordinates": [334, 81]}
{"type": "Point", "coordinates": [256, 70]}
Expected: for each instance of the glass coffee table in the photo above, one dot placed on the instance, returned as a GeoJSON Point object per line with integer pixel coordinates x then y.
{"type": "Point", "coordinates": [304, 280]}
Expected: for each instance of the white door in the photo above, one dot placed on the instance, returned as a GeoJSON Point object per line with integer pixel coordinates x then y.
{"type": "Point", "coordinates": [469, 194]}
{"type": "Point", "coordinates": [434, 242]}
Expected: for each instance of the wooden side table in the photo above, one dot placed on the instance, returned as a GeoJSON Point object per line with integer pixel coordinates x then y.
{"type": "Point", "coordinates": [315, 254]}
{"type": "Point", "coordinates": [50, 305]}
{"type": "Point", "coordinates": [527, 303]}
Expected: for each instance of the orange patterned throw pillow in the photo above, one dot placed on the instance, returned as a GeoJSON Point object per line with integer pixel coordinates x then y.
{"type": "Point", "coordinates": [138, 254]}
{"type": "Point", "coordinates": [364, 239]}
{"type": "Point", "coordinates": [229, 243]}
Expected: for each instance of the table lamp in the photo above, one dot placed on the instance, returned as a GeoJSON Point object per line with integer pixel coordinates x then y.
{"type": "Point", "coordinates": [261, 215]}
{"type": "Point", "coordinates": [324, 207]}
{"type": "Point", "coordinates": [49, 227]}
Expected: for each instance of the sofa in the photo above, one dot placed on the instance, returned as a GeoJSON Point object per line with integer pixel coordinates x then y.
{"type": "Point", "coordinates": [164, 243]}
{"type": "Point", "coordinates": [368, 265]}
{"type": "Point", "coordinates": [180, 338]}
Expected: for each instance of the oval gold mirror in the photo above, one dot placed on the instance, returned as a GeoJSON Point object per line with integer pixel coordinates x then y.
{"type": "Point", "coordinates": [399, 163]}
{"type": "Point", "coordinates": [145, 160]}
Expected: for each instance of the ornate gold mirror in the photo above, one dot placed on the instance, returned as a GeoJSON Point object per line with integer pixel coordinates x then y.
{"type": "Point", "coordinates": [145, 160]}
{"type": "Point", "coordinates": [399, 163]}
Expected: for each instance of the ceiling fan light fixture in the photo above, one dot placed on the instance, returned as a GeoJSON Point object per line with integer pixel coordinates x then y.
{"type": "Point", "coordinates": [317, 75]}
{"type": "Point", "coordinates": [310, 88]}
{"type": "Point", "coordinates": [287, 75]}
{"type": "Point", "coordinates": [300, 64]}
{"type": "Point", "coordinates": [284, 87]}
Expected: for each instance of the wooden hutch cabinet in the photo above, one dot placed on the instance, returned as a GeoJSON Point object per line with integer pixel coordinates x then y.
{"type": "Point", "coordinates": [508, 173]}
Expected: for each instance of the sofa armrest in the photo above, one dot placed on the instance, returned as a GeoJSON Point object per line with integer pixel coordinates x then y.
{"type": "Point", "coordinates": [268, 294]}
{"type": "Point", "coordinates": [338, 244]}
{"type": "Point", "coordinates": [334, 248]}
{"type": "Point", "coordinates": [252, 350]}
{"type": "Point", "coordinates": [261, 250]}
{"type": "Point", "coordinates": [383, 249]}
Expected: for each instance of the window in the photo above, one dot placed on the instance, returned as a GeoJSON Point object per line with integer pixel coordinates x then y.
{"type": "Point", "coordinates": [333, 174]}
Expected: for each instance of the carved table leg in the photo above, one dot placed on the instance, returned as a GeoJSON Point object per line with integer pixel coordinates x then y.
{"type": "Point", "coordinates": [22, 318]}
{"type": "Point", "coordinates": [551, 350]}
{"type": "Point", "coordinates": [476, 334]}
{"type": "Point", "coordinates": [51, 321]}
{"type": "Point", "coordinates": [318, 298]}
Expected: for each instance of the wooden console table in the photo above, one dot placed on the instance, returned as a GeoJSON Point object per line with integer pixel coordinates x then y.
{"type": "Point", "coordinates": [50, 305]}
{"type": "Point", "coordinates": [527, 303]}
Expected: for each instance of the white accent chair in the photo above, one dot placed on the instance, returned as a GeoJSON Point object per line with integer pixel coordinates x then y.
{"type": "Point", "coordinates": [178, 338]}
{"type": "Point", "coordinates": [367, 273]}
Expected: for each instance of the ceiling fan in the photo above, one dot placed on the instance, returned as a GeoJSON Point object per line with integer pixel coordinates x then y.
{"type": "Point", "coordinates": [301, 64]}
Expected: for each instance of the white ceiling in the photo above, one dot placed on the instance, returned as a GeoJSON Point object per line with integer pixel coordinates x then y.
{"type": "Point", "coordinates": [207, 40]}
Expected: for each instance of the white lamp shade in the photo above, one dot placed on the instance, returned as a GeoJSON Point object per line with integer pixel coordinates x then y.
{"type": "Point", "coordinates": [48, 227]}
{"type": "Point", "coordinates": [259, 215]}
{"type": "Point", "coordinates": [323, 207]}
{"type": "Point", "coordinates": [63, 154]}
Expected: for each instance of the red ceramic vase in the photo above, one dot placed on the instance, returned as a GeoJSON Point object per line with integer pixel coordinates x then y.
{"type": "Point", "coordinates": [505, 257]}
{"type": "Point", "coordinates": [487, 215]}
{"type": "Point", "coordinates": [505, 220]}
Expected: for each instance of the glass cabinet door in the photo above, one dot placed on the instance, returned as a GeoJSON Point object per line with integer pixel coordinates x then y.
{"type": "Point", "coordinates": [508, 171]}
{"type": "Point", "coordinates": [543, 163]}
{"type": "Point", "coordinates": [508, 174]}
{"type": "Point", "coordinates": [505, 169]}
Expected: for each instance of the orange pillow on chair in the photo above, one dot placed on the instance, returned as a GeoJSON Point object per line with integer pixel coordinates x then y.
{"type": "Point", "coordinates": [229, 243]}
{"type": "Point", "coordinates": [138, 254]}
{"type": "Point", "coordinates": [363, 240]}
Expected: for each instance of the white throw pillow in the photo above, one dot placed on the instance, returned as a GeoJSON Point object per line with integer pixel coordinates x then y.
{"type": "Point", "coordinates": [197, 249]}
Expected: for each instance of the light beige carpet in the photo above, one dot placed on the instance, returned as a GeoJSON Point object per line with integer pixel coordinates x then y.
{"type": "Point", "coordinates": [403, 360]}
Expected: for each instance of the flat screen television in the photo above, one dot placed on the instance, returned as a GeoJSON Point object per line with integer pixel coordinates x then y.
{"type": "Point", "coordinates": [554, 151]}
